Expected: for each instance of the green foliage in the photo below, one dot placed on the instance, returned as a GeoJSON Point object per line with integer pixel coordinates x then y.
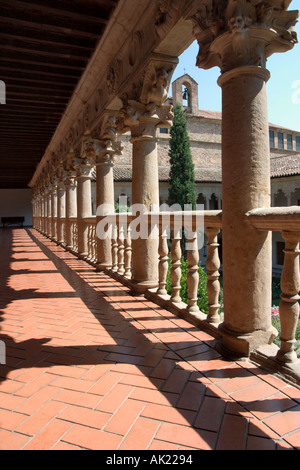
{"type": "Point", "coordinates": [121, 208]}
{"type": "Point", "coordinates": [181, 177]}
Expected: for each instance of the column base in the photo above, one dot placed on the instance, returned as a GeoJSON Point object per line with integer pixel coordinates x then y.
{"type": "Point", "coordinates": [234, 346]}
{"type": "Point", "coordinates": [139, 288]}
{"type": "Point", "coordinates": [103, 266]}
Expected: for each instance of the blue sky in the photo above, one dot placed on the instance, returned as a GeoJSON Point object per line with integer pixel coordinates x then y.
{"type": "Point", "coordinates": [283, 88]}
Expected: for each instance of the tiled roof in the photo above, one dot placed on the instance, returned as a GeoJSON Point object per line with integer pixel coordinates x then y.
{"type": "Point", "coordinates": [124, 173]}
{"type": "Point", "coordinates": [218, 115]}
{"type": "Point", "coordinates": [285, 165]}
{"type": "Point", "coordinates": [209, 114]}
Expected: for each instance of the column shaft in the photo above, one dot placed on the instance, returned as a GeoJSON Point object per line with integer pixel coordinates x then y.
{"type": "Point", "coordinates": [245, 186]}
{"type": "Point", "coordinates": [105, 196]}
{"type": "Point", "coordinates": [71, 211]}
{"type": "Point", "coordinates": [61, 213]}
{"type": "Point", "coordinates": [84, 208]}
{"type": "Point", "coordinates": [145, 190]}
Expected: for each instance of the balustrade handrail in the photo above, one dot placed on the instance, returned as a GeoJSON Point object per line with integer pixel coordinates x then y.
{"type": "Point", "coordinates": [275, 218]}
{"type": "Point", "coordinates": [90, 220]}
{"type": "Point", "coordinates": [211, 218]}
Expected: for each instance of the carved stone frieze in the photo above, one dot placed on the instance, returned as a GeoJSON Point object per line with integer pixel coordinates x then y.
{"type": "Point", "coordinates": [114, 76]}
{"type": "Point", "coordinates": [242, 32]}
{"type": "Point", "coordinates": [166, 11]}
{"type": "Point", "coordinates": [135, 48]}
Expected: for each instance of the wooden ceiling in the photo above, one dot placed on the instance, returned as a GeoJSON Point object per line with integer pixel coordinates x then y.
{"type": "Point", "coordinates": [45, 46]}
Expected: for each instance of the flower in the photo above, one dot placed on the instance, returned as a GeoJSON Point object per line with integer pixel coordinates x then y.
{"type": "Point", "coordinates": [275, 311]}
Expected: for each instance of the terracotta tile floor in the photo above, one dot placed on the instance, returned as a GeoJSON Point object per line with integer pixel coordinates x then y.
{"type": "Point", "coordinates": [90, 367]}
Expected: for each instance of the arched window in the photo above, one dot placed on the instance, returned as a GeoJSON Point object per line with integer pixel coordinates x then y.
{"type": "Point", "coordinates": [186, 95]}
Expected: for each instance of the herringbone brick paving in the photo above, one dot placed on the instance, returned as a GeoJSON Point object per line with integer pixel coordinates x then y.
{"type": "Point", "coordinates": [89, 366]}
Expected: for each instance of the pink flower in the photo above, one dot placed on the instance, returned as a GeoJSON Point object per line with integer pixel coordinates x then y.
{"type": "Point", "coordinates": [275, 311]}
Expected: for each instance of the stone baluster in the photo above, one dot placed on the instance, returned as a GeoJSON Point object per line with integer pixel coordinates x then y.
{"type": "Point", "coordinates": [163, 266]}
{"type": "Point", "coordinates": [114, 248]}
{"type": "Point", "coordinates": [213, 266]}
{"type": "Point", "coordinates": [289, 306]}
{"type": "Point", "coordinates": [121, 249]}
{"type": "Point", "coordinates": [176, 266]}
{"type": "Point", "coordinates": [193, 273]}
{"type": "Point", "coordinates": [127, 254]}
{"type": "Point", "coordinates": [238, 37]}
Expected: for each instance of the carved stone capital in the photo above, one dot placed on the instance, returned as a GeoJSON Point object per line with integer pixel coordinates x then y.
{"type": "Point", "coordinates": [84, 162]}
{"type": "Point", "coordinates": [107, 146]}
{"type": "Point", "coordinates": [144, 105]}
{"type": "Point", "coordinates": [83, 169]}
{"type": "Point", "coordinates": [236, 33]}
{"type": "Point", "coordinates": [143, 119]}
{"type": "Point", "coordinates": [70, 179]}
{"type": "Point", "coordinates": [88, 150]}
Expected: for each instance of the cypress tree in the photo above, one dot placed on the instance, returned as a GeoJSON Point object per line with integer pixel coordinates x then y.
{"type": "Point", "coordinates": [181, 177]}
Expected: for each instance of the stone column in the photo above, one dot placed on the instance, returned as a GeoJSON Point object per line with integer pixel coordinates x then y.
{"type": "Point", "coordinates": [44, 213]}
{"type": "Point", "coordinates": [145, 191]}
{"type": "Point", "coordinates": [71, 206]}
{"type": "Point", "coordinates": [238, 40]}
{"type": "Point", "coordinates": [106, 149]}
{"type": "Point", "coordinates": [61, 211]}
{"type": "Point", "coordinates": [142, 117]}
{"type": "Point", "coordinates": [54, 210]}
{"type": "Point", "coordinates": [49, 211]}
{"type": "Point", "coordinates": [84, 166]}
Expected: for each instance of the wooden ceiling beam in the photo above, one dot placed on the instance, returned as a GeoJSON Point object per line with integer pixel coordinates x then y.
{"type": "Point", "coordinates": [52, 50]}
{"type": "Point", "coordinates": [59, 74]}
{"type": "Point", "coordinates": [58, 10]}
{"type": "Point", "coordinates": [37, 87]}
{"type": "Point", "coordinates": [75, 22]}
{"type": "Point", "coordinates": [41, 37]}
{"type": "Point", "coordinates": [39, 60]}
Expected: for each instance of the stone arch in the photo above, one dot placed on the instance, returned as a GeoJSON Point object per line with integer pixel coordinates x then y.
{"type": "Point", "coordinates": [295, 197]}
{"type": "Point", "coordinates": [213, 202]}
{"type": "Point", "coordinates": [201, 199]}
{"type": "Point", "coordinates": [280, 199]}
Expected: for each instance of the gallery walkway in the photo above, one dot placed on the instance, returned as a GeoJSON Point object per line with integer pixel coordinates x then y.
{"type": "Point", "coordinates": [88, 366]}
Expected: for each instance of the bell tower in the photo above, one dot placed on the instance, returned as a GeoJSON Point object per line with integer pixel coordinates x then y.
{"type": "Point", "coordinates": [185, 92]}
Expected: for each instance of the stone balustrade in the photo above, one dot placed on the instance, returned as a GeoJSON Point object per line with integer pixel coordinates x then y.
{"type": "Point", "coordinates": [287, 221]}
{"type": "Point", "coordinates": [169, 230]}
